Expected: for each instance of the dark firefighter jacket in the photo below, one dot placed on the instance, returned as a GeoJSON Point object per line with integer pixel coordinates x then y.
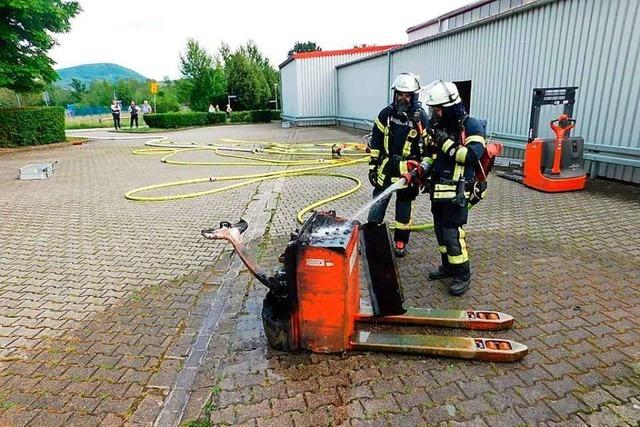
{"type": "Point", "coordinates": [394, 141]}
{"type": "Point", "coordinates": [458, 158]}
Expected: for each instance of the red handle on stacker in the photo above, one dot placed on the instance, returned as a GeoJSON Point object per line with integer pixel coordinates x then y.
{"type": "Point", "coordinates": [564, 125]}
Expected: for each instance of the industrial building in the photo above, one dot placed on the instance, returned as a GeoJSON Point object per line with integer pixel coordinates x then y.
{"type": "Point", "coordinates": [497, 52]}
{"type": "Point", "coordinates": [309, 85]}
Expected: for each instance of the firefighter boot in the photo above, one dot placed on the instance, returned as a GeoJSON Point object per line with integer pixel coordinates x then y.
{"type": "Point", "coordinates": [461, 279]}
{"type": "Point", "coordinates": [400, 249]}
{"type": "Point", "coordinates": [443, 271]}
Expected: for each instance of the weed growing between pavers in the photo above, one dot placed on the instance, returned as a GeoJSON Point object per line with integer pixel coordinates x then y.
{"type": "Point", "coordinates": [197, 423]}
{"type": "Point", "coordinates": [208, 408]}
{"type": "Point", "coordinates": [4, 405]}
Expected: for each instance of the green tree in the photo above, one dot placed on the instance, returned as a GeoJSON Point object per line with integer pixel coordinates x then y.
{"type": "Point", "coordinates": [195, 61]}
{"type": "Point", "coordinates": [304, 47]}
{"type": "Point", "coordinates": [27, 30]}
{"type": "Point", "coordinates": [250, 77]}
{"type": "Point", "coordinates": [59, 96]}
{"type": "Point", "coordinates": [166, 103]}
{"type": "Point", "coordinates": [182, 88]}
{"type": "Point", "coordinates": [201, 90]}
{"type": "Point", "coordinates": [219, 85]}
{"type": "Point", "coordinates": [78, 89]}
{"type": "Point", "coordinates": [246, 81]}
{"type": "Point", "coordinates": [204, 83]}
{"type": "Point", "coordinates": [125, 91]}
{"type": "Point", "coordinates": [9, 99]}
{"type": "Point", "coordinates": [271, 76]}
{"type": "Point", "coordinates": [167, 99]}
{"type": "Point", "coordinates": [99, 93]}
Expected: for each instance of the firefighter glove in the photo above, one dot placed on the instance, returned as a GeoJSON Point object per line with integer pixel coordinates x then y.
{"type": "Point", "coordinates": [412, 165]}
{"type": "Point", "coordinates": [408, 178]}
{"type": "Point", "coordinates": [373, 177]}
{"type": "Point", "coordinates": [438, 136]}
{"type": "Point", "coordinates": [414, 173]}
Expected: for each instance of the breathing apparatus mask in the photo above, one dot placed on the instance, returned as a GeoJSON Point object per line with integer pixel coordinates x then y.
{"type": "Point", "coordinates": [405, 95]}
{"type": "Point", "coordinates": [444, 96]}
{"type": "Point", "coordinates": [402, 102]}
{"type": "Point", "coordinates": [453, 116]}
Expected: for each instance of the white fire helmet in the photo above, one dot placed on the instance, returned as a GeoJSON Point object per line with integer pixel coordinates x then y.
{"type": "Point", "coordinates": [441, 94]}
{"type": "Point", "coordinates": [406, 82]}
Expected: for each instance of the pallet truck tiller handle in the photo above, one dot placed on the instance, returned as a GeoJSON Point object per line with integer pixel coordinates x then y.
{"type": "Point", "coordinates": [563, 126]}
{"type": "Point", "coordinates": [232, 234]}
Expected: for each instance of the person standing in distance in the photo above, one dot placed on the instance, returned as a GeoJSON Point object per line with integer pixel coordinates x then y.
{"type": "Point", "coordinates": [134, 110]}
{"type": "Point", "coordinates": [115, 113]}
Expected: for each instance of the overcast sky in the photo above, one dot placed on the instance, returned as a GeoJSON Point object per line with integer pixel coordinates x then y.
{"type": "Point", "coordinates": [148, 35]}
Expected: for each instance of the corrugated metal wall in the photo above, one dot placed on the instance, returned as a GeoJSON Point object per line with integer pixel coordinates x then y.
{"type": "Point", "coordinates": [592, 44]}
{"type": "Point", "coordinates": [317, 84]}
{"type": "Point", "coordinates": [289, 85]}
{"type": "Point", "coordinates": [315, 100]}
{"type": "Point", "coordinates": [367, 83]}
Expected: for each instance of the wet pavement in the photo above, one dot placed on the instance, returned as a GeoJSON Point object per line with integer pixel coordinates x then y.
{"type": "Point", "coordinates": [105, 303]}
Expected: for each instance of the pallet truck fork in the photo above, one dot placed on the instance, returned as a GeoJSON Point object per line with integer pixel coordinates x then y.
{"type": "Point", "coordinates": [552, 165]}
{"type": "Point", "coordinates": [313, 301]}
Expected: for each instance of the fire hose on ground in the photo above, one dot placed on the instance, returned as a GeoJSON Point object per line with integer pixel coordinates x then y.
{"type": "Point", "coordinates": [316, 167]}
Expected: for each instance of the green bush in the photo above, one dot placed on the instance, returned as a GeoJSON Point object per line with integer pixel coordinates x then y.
{"type": "Point", "coordinates": [175, 120]}
{"type": "Point", "coordinates": [240, 117]}
{"type": "Point", "coordinates": [251, 116]}
{"type": "Point", "coordinates": [275, 115]}
{"type": "Point", "coordinates": [260, 116]}
{"type": "Point", "coordinates": [167, 104]}
{"type": "Point", "coordinates": [31, 126]}
{"type": "Point", "coordinates": [217, 117]}
{"type": "Point", "coordinates": [181, 120]}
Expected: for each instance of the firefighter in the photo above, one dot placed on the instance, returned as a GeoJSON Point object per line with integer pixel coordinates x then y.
{"type": "Point", "coordinates": [397, 146]}
{"type": "Point", "coordinates": [459, 142]}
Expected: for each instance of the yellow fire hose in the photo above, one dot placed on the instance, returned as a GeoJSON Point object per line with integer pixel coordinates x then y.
{"type": "Point", "coordinates": [168, 150]}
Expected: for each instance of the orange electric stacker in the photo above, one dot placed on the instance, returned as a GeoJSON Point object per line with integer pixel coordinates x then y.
{"type": "Point", "coordinates": [314, 298]}
{"type": "Point", "coordinates": [552, 165]}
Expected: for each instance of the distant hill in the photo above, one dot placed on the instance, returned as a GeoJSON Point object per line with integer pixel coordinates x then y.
{"type": "Point", "coordinates": [89, 72]}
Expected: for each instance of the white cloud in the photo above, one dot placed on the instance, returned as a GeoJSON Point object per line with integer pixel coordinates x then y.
{"type": "Point", "coordinates": [147, 36]}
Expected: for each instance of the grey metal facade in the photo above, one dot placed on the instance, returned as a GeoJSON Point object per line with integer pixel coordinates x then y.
{"type": "Point", "coordinates": [310, 88]}
{"type": "Point", "coordinates": [593, 44]}
{"type": "Point", "coordinates": [290, 90]}
{"type": "Point", "coordinates": [370, 80]}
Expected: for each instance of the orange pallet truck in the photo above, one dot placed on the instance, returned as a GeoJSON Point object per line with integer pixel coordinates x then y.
{"type": "Point", "coordinates": [552, 165]}
{"type": "Point", "coordinates": [313, 301]}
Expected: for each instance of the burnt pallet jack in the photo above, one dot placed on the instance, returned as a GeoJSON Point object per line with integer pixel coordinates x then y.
{"type": "Point", "coordinates": [313, 301]}
{"type": "Point", "coordinates": [551, 165]}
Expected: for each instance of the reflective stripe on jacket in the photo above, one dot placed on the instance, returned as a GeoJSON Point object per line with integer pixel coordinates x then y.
{"type": "Point", "coordinates": [457, 158]}
{"type": "Point", "coordinates": [394, 142]}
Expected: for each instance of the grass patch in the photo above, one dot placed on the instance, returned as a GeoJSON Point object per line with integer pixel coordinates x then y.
{"type": "Point", "coordinates": [88, 122]}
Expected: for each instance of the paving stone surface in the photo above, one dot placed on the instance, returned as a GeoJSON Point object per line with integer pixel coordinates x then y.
{"type": "Point", "coordinates": [102, 298]}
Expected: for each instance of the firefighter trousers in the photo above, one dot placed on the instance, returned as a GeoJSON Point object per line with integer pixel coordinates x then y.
{"type": "Point", "coordinates": [404, 201]}
{"type": "Point", "coordinates": [448, 219]}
